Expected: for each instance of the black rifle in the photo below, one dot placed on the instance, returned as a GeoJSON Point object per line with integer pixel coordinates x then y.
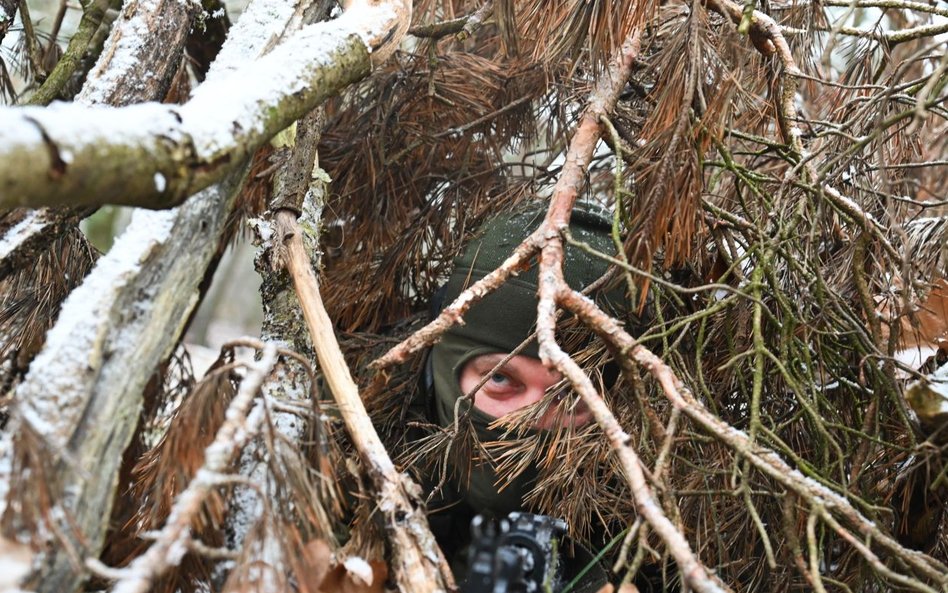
{"type": "Point", "coordinates": [517, 554]}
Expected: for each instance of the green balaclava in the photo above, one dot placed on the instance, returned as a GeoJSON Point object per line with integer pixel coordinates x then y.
{"type": "Point", "coordinates": [500, 322]}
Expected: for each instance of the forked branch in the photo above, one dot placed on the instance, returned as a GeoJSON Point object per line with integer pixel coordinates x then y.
{"type": "Point", "coordinates": [554, 291]}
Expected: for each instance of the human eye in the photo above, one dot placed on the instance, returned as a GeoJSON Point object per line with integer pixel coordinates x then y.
{"type": "Point", "coordinates": [500, 383]}
{"type": "Point", "coordinates": [499, 379]}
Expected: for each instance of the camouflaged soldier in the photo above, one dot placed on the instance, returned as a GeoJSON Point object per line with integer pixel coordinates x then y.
{"type": "Point", "coordinates": [468, 354]}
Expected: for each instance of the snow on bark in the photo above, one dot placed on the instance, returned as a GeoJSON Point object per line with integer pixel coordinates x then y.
{"type": "Point", "coordinates": [55, 156]}
{"type": "Point", "coordinates": [53, 399]}
{"type": "Point", "coordinates": [142, 53]}
{"type": "Point", "coordinates": [84, 390]}
{"type": "Point", "coordinates": [252, 33]}
{"type": "Point", "coordinates": [31, 224]}
{"type": "Point", "coordinates": [260, 25]}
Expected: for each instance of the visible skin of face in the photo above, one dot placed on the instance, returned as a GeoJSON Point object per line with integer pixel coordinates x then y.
{"type": "Point", "coordinates": [522, 381]}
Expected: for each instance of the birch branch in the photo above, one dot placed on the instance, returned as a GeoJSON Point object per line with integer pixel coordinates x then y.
{"type": "Point", "coordinates": [157, 155]}
{"type": "Point", "coordinates": [418, 563]}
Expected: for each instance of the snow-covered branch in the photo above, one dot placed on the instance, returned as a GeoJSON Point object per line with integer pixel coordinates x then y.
{"type": "Point", "coordinates": [155, 155]}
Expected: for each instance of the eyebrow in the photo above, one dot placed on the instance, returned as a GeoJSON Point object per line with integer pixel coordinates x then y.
{"type": "Point", "coordinates": [489, 360]}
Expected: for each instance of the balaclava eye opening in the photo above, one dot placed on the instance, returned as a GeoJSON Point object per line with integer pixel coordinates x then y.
{"type": "Point", "coordinates": [502, 320]}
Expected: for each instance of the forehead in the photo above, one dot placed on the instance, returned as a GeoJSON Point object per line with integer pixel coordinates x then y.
{"type": "Point", "coordinates": [484, 362]}
{"type": "Point", "coordinates": [489, 360]}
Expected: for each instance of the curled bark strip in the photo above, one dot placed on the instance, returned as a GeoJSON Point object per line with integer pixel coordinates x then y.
{"type": "Point", "coordinates": [418, 563]}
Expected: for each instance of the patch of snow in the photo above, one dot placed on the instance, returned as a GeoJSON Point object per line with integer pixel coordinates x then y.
{"type": "Point", "coordinates": [372, 21]}
{"type": "Point", "coordinates": [160, 182]}
{"type": "Point", "coordinates": [15, 563]}
{"type": "Point", "coordinates": [288, 69]}
{"type": "Point", "coordinates": [929, 396]}
{"type": "Point", "coordinates": [33, 223]}
{"type": "Point", "coordinates": [19, 132]}
{"type": "Point", "coordinates": [914, 357]}
{"type": "Point", "coordinates": [129, 34]}
{"type": "Point", "coordinates": [81, 132]}
{"type": "Point", "coordinates": [359, 570]}
{"type": "Point", "coordinates": [53, 395]}
{"type": "Point", "coordinates": [259, 25]}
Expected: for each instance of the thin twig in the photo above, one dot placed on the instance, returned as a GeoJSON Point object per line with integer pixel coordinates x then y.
{"type": "Point", "coordinates": [171, 543]}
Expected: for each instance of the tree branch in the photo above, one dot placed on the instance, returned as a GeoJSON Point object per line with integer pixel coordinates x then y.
{"type": "Point", "coordinates": [128, 314]}
{"type": "Point", "coordinates": [554, 290]}
{"type": "Point", "coordinates": [418, 563]}
{"type": "Point", "coordinates": [240, 425]}
{"type": "Point", "coordinates": [147, 37]}
{"type": "Point", "coordinates": [92, 15]}
{"type": "Point", "coordinates": [157, 155]}
{"type": "Point", "coordinates": [769, 40]}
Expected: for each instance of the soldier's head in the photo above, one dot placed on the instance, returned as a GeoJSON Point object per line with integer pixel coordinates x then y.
{"type": "Point", "coordinates": [493, 328]}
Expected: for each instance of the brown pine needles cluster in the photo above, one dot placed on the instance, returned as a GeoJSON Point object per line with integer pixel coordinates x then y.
{"type": "Point", "coordinates": [777, 173]}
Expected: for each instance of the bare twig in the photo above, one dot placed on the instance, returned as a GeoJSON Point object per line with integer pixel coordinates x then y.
{"type": "Point", "coordinates": [768, 38]}
{"type": "Point", "coordinates": [172, 541]}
